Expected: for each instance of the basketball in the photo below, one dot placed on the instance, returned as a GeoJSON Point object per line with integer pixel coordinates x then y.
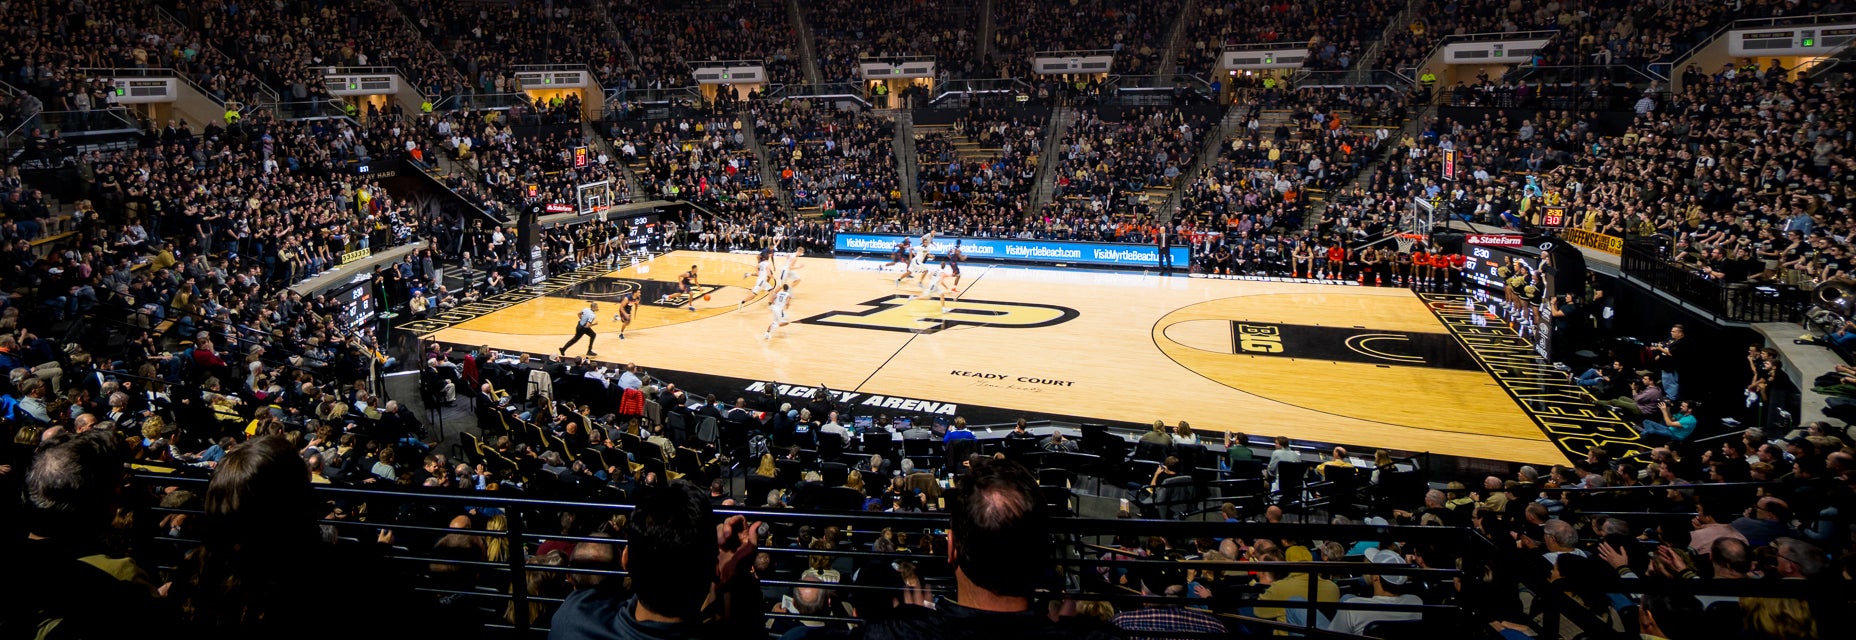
{"type": "Point", "coordinates": [705, 298]}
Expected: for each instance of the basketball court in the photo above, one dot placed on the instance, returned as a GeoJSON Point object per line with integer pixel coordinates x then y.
{"type": "Point", "coordinates": [1360, 366]}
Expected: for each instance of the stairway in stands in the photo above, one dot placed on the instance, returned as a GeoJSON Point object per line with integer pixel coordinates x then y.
{"type": "Point", "coordinates": [1169, 55]}
{"type": "Point", "coordinates": [969, 151]}
{"type": "Point", "coordinates": [1060, 120]}
{"type": "Point", "coordinates": [1409, 127]}
{"type": "Point", "coordinates": [907, 167]}
{"type": "Point", "coordinates": [632, 189]}
{"type": "Point", "coordinates": [982, 39]}
{"type": "Point", "coordinates": [808, 51]}
{"type": "Point", "coordinates": [769, 175]}
{"type": "Point", "coordinates": [1216, 141]}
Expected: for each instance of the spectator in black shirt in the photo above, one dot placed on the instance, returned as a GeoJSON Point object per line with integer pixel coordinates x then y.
{"type": "Point", "coordinates": [676, 564]}
{"type": "Point", "coordinates": [1000, 549]}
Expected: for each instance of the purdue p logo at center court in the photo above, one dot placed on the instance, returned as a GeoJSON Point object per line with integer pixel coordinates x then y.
{"type": "Point", "coordinates": [898, 313]}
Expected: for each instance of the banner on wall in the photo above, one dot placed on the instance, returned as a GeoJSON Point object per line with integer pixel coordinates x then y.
{"type": "Point", "coordinates": [1038, 251]}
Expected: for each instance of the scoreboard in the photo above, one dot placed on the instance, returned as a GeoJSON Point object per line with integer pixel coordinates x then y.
{"type": "Point", "coordinates": [1483, 263]}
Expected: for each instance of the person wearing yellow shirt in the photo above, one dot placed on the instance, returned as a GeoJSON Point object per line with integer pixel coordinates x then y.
{"type": "Point", "coordinates": [1284, 585]}
{"type": "Point", "coordinates": [1339, 460]}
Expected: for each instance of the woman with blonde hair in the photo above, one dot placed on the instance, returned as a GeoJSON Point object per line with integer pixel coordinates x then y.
{"type": "Point", "coordinates": [855, 480]}
{"type": "Point", "coordinates": [496, 548]}
{"type": "Point", "coordinates": [544, 587]}
{"type": "Point", "coordinates": [1776, 618]}
{"type": "Point", "coordinates": [767, 468]}
{"type": "Point", "coordinates": [1157, 435]}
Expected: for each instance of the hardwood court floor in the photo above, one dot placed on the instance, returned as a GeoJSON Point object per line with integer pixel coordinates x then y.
{"type": "Point", "coordinates": [1363, 366]}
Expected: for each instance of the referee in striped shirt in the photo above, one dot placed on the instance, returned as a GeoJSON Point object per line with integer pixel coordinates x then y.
{"type": "Point", "coordinates": [589, 317]}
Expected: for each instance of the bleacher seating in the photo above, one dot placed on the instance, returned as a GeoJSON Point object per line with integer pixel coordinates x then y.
{"type": "Point", "coordinates": [148, 321]}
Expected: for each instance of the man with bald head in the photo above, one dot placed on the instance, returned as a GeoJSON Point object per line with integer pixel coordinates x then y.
{"type": "Point", "coordinates": [593, 555]}
{"type": "Point", "coordinates": [1496, 499]}
{"type": "Point", "coordinates": [1338, 459]}
{"type": "Point", "coordinates": [1768, 520]}
{"type": "Point", "coordinates": [999, 545]}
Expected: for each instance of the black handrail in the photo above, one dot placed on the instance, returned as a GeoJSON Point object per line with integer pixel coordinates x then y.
{"type": "Point", "coordinates": [1643, 260]}
{"type": "Point", "coordinates": [1079, 555]}
{"type": "Point", "coordinates": [515, 567]}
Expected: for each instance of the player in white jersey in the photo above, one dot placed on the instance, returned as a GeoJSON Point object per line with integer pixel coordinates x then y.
{"type": "Point", "coordinates": [789, 274]}
{"type": "Point", "coordinates": [763, 277]}
{"type": "Point", "coordinates": [940, 285]}
{"type": "Point", "coordinates": [778, 306]}
{"type": "Point", "coordinates": [918, 260]}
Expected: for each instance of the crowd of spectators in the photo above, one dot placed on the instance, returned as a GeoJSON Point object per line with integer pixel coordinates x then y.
{"type": "Point", "coordinates": [1434, 20]}
{"type": "Point", "coordinates": [1336, 34]}
{"type": "Point", "coordinates": [1104, 158]}
{"type": "Point", "coordinates": [1745, 171]}
{"type": "Point", "coordinates": [1588, 33]}
{"type": "Point", "coordinates": [276, 197]}
{"type": "Point", "coordinates": [1556, 540]}
{"type": "Point", "coordinates": [1742, 174]}
{"type": "Point", "coordinates": [47, 42]}
{"type": "Point", "coordinates": [1577, 90]}
{"type": "Point", "coordinates": [840, 160]}
{"type": "Point", "coordinates": [486, 42]}
{"type": "Point", "coordinates": [1136, 31]}
{"type": "Point", "coordinates": [288, 42]}
{"type": "Point", "coordinates": [996, 180]}
{"type": "Point", "coordinates": [1231, 213]}
{"type": "Point", "coordinates": [845, 31]}
{"type": "Point", "coordinates": [667, 38]}
{"type": "Point", "coordinates": [1638, 36]}
{"type": "Point", "coordinates": [502, 157]}
{"type": "Point", "coordinates": [707, 161]}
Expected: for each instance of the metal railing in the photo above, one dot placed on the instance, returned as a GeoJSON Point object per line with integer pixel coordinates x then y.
{"type": "Point", "coordinates": [559, 66]}
{"type": "Point", "coordinates": [1666, 70]}
{"type": "Point", "coordinates": [482, 102]}
{"type": "Point", "coordinates": [68, 122]}
{"type": "Point", "coordinates": [865, 58]}
{"type": "Point", "coordinates": [958, 92]}
{"type": "Point", "coordinates": [827, 91]}
{"type": "Point", "coordinates": [306, 109]}
{"type": "Point", "coordinates": [1644, 259]}
{"type": "Point", "coordinates": [1078, 53]}
{"type": "Point", "coordinates": [1621, 74]}
{"type": "Point", "coordinates": [1083, 551]}
{"type": "Point", "coordinates": [1080, 547]}
{"type": "Point", "coordinates": [1158, 83]}
{"type": "Point", "coordinates": [1545, 96]}
{"type": "Point", "coordinates": [1261, 46]}
{"type": "Point", "coordinates": [673, 95]}
{"type": "Point", "coordinates": [1413, 72]}
{"type": "Point", "coordinates": [152, 72]}
{"type": "Point", "coordinates": [1354, 78]}
{"type": "Point", "coordinates": [331, 70]}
